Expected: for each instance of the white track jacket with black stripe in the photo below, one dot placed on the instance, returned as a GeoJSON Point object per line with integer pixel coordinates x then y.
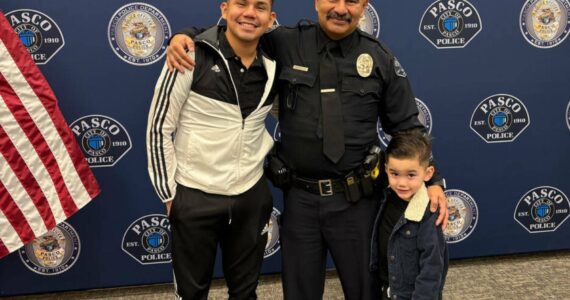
{"type": "Point", "coordinates": [204, 143]}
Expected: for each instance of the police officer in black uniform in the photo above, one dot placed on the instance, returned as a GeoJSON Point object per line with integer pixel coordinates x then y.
{"type": "Point", "coordinates": [335, 81]}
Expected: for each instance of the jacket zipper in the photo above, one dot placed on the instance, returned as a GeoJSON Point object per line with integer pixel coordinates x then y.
{"type": "Point", "coordinates": [231, 78]}
{"type": "Point", "coordinates": [239, 106]}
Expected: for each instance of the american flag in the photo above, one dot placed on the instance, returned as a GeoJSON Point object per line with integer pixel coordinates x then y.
{"type": "Point", "coordinates": [44, 178]}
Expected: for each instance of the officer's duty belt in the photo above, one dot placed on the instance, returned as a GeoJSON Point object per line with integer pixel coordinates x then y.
{"type": "Point", "coordinates": [323, 187]}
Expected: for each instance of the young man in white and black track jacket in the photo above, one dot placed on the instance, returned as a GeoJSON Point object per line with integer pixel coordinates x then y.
{"type": "Point", "coordinates": [206, 143]}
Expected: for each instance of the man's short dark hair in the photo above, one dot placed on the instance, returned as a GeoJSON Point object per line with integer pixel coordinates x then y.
{"type": "Point", "coordinates": [271, 2]}
{"type": "Point", "coordinates": [409, 145]}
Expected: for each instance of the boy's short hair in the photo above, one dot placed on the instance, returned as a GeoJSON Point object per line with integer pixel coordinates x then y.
{"type": "Point", "coordinates": [410, 144]}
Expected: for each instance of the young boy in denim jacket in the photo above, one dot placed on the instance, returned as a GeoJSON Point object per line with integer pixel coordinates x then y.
{"type": "Point", "coordinates": [408, 249]}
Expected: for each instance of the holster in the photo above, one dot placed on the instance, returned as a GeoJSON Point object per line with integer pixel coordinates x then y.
{"type": "Point", "coordinates": [359, 183]}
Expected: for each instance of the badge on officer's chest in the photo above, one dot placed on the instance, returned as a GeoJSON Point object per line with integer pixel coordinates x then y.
{"type": "Point", "coordinates": [364, 65]}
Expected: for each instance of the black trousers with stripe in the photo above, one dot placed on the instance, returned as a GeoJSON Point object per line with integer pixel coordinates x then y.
{"type": "Point", "coordinates": [200, 222]}
{"type": "Point", "coordinates": [313, 225]}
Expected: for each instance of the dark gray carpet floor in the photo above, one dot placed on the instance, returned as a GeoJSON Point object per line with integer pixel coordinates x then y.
{"type": "Point", "coordinates": [523, 276]}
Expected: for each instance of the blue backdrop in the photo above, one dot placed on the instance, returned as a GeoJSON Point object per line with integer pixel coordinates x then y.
{"type": "Point", "coordinates": [491, 78]}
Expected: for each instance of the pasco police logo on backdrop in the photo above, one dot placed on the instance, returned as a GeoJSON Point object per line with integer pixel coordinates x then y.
{"type": "Point", "coordinates": [138, 33]}
{"type": "Point", "coordinates": [500, 118]}
{"type": "Point", "coordinates": [424, 116]}
{"type": "Point", "coordinates": [450, 23]}
{"type": "Point", "coordinates": [147, 240]}
{"type": "Point", "coordinates": [542, 209]}
{"type": "Point", "coordinates": [272, 230]}
{"type": "Point", "coordinates": [38, 32]}
{"type": "Point", "coordinates": [370, 22]}
{"type": "Point", "coordinates": [103, 140]}
{"type": "Point", "coordinates": [463, 216]}
{"type": "Point", "coordinates": [545, 23]}
{"type": "Point", "coordinates": [54, 252]}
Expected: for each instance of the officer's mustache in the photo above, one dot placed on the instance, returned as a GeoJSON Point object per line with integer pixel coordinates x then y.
{"type": "Point", "coordinates": [343, 17]}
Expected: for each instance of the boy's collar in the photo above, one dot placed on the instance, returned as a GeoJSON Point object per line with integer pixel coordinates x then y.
{"type": "Point", "coordinates": [417, 205]}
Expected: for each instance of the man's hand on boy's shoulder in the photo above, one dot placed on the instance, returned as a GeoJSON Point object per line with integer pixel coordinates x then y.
{"type": "Point", "coordinates": [438, 200]}
{"type": "Point", "coordinates": [176, 57]}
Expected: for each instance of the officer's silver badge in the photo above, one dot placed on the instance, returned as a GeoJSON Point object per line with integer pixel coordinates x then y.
{"type": "Point", "coordinates": [399, 69]}
{"type": "Point", "coordinates": [364, 65]}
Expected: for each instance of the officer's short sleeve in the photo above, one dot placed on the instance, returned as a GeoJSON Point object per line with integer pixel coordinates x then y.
{"type": "Point", "coordinates": [398, 110]}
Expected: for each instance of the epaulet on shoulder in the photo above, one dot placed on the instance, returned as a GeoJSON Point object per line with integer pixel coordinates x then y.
{"type": "Point", "coordinates": [375, 40]}
{"type": "Point", "coordinates": [305, 23]}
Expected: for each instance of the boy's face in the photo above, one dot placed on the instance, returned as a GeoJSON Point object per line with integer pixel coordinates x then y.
{"type": "Point", "coordinates": [339, 18]}
{"type": "Point", "coordinates": [407, 175]}
{"type": "Point", "coordinates": [247, 20]}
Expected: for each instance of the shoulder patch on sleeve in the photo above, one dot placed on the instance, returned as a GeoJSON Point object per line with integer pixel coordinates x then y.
{"type": "Point", "coordinates": [398, 69]}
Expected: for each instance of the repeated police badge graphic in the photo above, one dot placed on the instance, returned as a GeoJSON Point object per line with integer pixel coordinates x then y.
{"type": "Point", "coordinates": [139, 33]}
{"type": "Point", "coordinates": [103, 140]}
{"type": "Point", "coordinates": [148, 240]}
{"type": "Point", "coordinates": [568, 115]}
{"type": "Point", "coordinates": [542, 209]}
{"type": "Point", "coordinates": [500, 118]}
{"type": "Point", "coordinates": [545, 23]}
{"type": "Point", "coordinates": [38, 32]}
{"type": "Point", "coordinates": [272, 230]}
{"type": "Point", "coordinates": [463, 216]}
{"type": "Point", "coordinates": [450, 23]}
{"type": "Point", "coordinates": [370, 22]}
{"type": "Point", "coordinates": [277, 133]}
{"type": "Point", "coordinates": [424, 116]}
{"type": "Point", "coordinates": [54, 252]}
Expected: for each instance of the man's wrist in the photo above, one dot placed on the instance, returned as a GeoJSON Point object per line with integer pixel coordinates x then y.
{"type": "Point", "coordinates": [440, 182]}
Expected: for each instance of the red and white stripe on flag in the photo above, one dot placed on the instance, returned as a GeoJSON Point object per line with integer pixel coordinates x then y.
{"type": "Point", "coordinates": [44, 178]}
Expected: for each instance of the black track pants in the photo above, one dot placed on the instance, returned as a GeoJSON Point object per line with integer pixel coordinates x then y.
{"type": "Point", "coordinates": [200, 221]}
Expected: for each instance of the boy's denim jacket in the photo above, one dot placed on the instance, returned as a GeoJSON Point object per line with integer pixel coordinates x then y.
{"type": "Point", "coordinates": [417, 252]}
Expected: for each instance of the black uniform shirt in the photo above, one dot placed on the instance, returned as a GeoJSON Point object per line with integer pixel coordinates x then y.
{"type": "Point", "coordinates": [394, 209]}
{"type": "Point", "coordinates": [384, 93]}
{"type": "Point", "coordinates": [249, 82]}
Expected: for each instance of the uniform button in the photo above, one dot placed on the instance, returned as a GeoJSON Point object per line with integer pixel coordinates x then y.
{"type": "Point", "coordinates": [392, 258]}
{"type": "Point", "coordinates": [393, 277]}
{"type": "Point", "coordinates": [395, 297]}
{"type": "Point", "coordinates": [294, 80]}
{"type": "Point", "coordinates": [362, 91]}
{"type": "Point", "coordinates": [241, 70]}
{"type": "Point", "coordinates": [236, 58]}
{"type": "Point", "coordinates": [408, 232]}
